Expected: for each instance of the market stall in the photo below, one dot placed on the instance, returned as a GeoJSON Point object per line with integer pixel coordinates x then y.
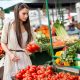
{"type": "Point", "coordinates": [55, 50]}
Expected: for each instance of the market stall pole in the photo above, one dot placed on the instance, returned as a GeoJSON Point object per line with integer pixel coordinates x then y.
{"type": "Point", "coordinates": [75, 69]}
{"type": "Point", "coordinates": [51, 46]}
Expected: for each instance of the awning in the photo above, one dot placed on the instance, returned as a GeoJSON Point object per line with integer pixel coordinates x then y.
{"type": "Point", "coordinates": [9, 4]}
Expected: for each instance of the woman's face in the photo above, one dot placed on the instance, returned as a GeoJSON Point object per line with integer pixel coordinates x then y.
{"type": "Point", "coordinates": [23, 14]}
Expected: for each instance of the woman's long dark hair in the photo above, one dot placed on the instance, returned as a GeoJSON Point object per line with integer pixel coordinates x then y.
{"type": "Point", "coordinates": [26, 24]}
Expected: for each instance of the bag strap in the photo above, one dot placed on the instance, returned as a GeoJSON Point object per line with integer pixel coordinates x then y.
{"type": "Point", "coordinates": [8, 32]}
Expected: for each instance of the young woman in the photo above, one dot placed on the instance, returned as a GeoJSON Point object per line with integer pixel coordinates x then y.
{"type": "Point", "coordinates": [15, 36]}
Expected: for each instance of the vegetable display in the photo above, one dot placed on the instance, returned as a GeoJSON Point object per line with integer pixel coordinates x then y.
{"type": "Point", "coordinates": [60, 36]}
{"type": "Point", "coordinates": [42, 40]}
{"type": "Point", "coordinates": [44, 29]}
{"type": "Point", "coordinates": [43, 73]}
{"type": "Point", "coordinates": [68, 57]}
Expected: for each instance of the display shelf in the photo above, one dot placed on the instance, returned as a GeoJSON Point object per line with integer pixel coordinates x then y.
{"type": "Point", "coordinates": [70, 69]}
{"type": "Point", "coordinates": [58, 47]}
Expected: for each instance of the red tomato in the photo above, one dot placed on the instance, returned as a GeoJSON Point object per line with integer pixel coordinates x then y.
{"type": "Point", "coordinates": [42, 76]}
{"type": "Point", "coordinates": [34, 47]}
{"type": "Point", "coordinates": [49, 68]}
{"type": "Point", "coordinates": [79, 78]}
{"type": "Point", "coordinates": [28, 72]}
{"type": "Point", "coordinates": [24, 78]}
{"type": "Point", "coordinates": [33, 66]}
{"type": "Point", "coordinates": [43, 70]}
{"type": "Point", "coordinates": [37, 47]}
{"type": "Point", "coordinates": [19, 76]}
{"type": "Point", "coordinates": [50, 72]}
{"type": "Point", "coordinates": [29, 48]}
{"type": "Point", "coordinates": [28, 67]}
{"type": "Point", "coordinates": [22, 71]}
{"type": "Point", "coordinates": [46, 73]}
{"type": "Point", "coordinates": [24, 75]}
{"type": "Point", "coordinates": [34, 75]}
{"type": "Point", "coordinates": [39, 72]}
{"type": "Point", "coordinates": [32, 70]}
{"type": "Point", "coordinates": [35, 79]}
{"type": "Point", "coordinates": [38, 67]}
{"type": "Point", "coordinates": [41, 79]}
{"type": "Point", "coordinates": [30, 78]}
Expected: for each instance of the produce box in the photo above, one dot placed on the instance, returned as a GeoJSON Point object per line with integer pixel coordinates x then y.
{"type": "Point", "coordinates": [73, 70]}
{"type": "Point", "coordinates": [44, 73]}
{"type": "Point", "coordinates": [40, 58]}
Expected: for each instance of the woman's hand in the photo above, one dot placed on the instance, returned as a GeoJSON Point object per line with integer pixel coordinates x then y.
{"type": "Point", "coordinates": [14, 58]}
{"type": "Point", "coordinates": [27, 52]}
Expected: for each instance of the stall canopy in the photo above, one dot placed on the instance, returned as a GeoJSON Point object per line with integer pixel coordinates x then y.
{"type": "Point", "coordinates": [8, 5]}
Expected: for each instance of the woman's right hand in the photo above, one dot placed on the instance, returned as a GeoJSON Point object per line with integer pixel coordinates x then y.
{"type": "Point", "coordinates": [27, 52]}
{"type": "Point", "coordinates": [14, 58]}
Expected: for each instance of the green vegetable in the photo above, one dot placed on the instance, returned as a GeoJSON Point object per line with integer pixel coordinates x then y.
{"type": "Point", "coordinates": [60, 31]}
{"type": "Point", "coordinates": [70, 54]}
{"type": "Point", "coordinates": [42, 41]}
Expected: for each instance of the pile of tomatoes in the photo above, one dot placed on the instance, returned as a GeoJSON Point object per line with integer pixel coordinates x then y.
{"type": "Point", "coordinates": [43, 73]}
{"type": "Point", "coordinates": [32, 47]}
{"type": "Point", "coordinates": [1, 50]}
